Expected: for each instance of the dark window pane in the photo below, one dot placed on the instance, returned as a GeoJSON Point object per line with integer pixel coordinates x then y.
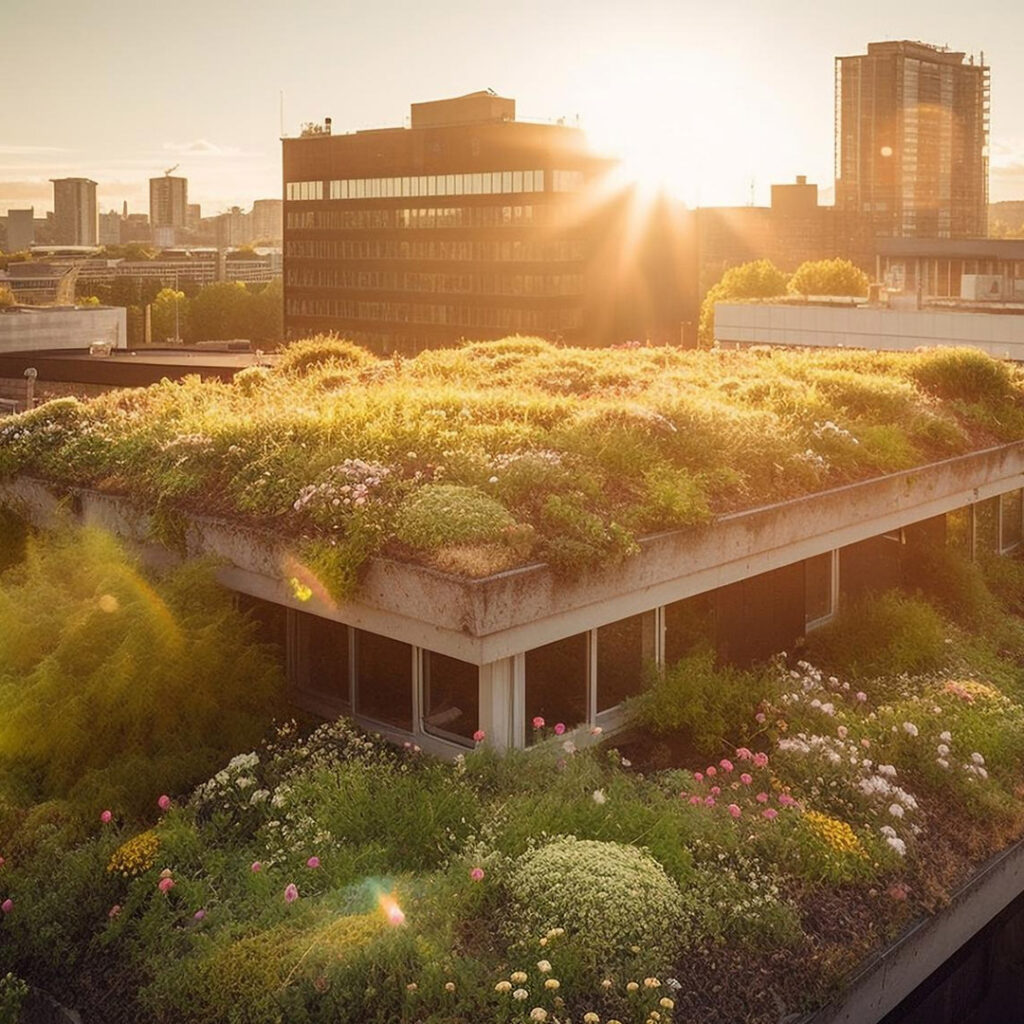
{"type": "Point", "coordinates": [986, 526]}
{"type": "Point", "coordinates": [384, 674]}
{"type": "Point", "coordinates": [451, 696]}
{"type": "Point", "coordinates": [271, 622]}
{"type": "Point", "coordinates": [621, 648]}
{"type": "Point", "coordinates": [1010, 525]}
{"type": "Point", "coordinates": [687, 623]}
{"type": "Point", "coordinates": [323, 660]}
{"type": "Point", "coordinates": [818, 587]}
{"type": "Point", "coordinates": [556, 682]}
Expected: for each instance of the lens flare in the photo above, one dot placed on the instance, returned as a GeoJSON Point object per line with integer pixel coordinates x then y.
{"type": "Point", "coordinates": [392, 911]}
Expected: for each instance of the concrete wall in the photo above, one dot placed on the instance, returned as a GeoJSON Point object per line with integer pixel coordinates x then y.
{"type": "Point", "coordinates": [763, 323]}
{"type": "Point", "coordinates": [38, 330]}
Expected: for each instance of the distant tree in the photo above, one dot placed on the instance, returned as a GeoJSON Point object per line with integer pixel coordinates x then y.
{"type": "Point", "coordinates": [758, 280]}
{"type": "Point", "coordinates": [268, 312]}
{"type": "Point", "coordinates": [6, 297]}
{"type": "Point", "coordinates": [221, 311]}
{"type": "Point", "coordinates": [829, 277]}
{"type": "Point", "coordinates": [169, 314]}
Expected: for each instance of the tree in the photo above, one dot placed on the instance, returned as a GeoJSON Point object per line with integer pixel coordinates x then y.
{"type": "Point", "coordinates": [220, 312]}
{"type": "Point", "coordinates": [758, 280]}
{"type": "Point", "coordinates": [829, 277]}
{"type": "Point", "coordinates": [169, 314]}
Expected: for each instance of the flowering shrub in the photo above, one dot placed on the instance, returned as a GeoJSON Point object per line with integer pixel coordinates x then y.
{"type": "Point", "coordinates": [135, 856]}
{"type": "Point", "coordinates": [441, 514]}
{"type": "Point", "coordinates": [614, 902]}
{"type": "Point", "coordinates": [233, 799]}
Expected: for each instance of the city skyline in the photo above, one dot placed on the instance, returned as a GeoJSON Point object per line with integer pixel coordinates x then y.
{"type": "Point", "coordinates": [667, 86]}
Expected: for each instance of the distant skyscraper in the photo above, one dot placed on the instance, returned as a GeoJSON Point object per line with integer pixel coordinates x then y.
{"type": "Point", "coordinates": [912, 140]}
{"type": "Point", "coordinates": [267, 220]}
{"type": "Point", "coordinates": [168, 202]}
{"type": "Point", "coordinates": [110, 228]}
{"type": "Point", "coordinates": [21, 229]}
{"type": "Point", "coordinates": [74, 211]}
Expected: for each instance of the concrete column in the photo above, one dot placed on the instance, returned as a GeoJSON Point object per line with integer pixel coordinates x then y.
{"type": "Point", "coordinates": [496, 693]}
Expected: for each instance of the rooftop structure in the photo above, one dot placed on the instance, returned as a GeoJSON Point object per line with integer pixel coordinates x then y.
{"type": "Point", "coordinates": [911, 142]}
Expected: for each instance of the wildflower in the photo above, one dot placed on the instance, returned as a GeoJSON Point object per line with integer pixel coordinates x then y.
{"type": "Point", "coordinates": [199, 914]}
{"type": "Point", "coordinates": [449, 986]}
{"type": "Point", "coordinates": [762, 798]}
{"type": "Point", "coordinates": [770, 813]}
{"type": "Point", "coordinates": [165, 884]}
{"type": "Point", "coordinates": [538, 1013]}
{"type": "Point", "coordinates": [105, 817]}
{"type": "Point", "coordinates": [861, 696]}
{"type": "Point", "coordinates": [942, 750]}
{"type": "Point", "coordinates": [313, 862]}
{"type": "Point", "coordinates": [596, 730]}
{"type": "Point", "coordinates": [606, 983]}
{"type": "Point", "coordinates": [946, 737]}
{"type": "Point", "coordinates": [114, 911]}
{"type": "Point", "coordinates": [598, 796]}
{"type": "Point", "coordinates": [743, 754]}
{"type": "Point", "coordinates": [551, 983]}
{"type": "Point", "coordinates": [163, 802]}
{"type": "Point", "coordinates": [709, 801]}
{"type": "Point", "coordinates": [652, 983]}
{"type": "Point", "coordinates": [716, 790]}
{"type": "Point", "coordinates": [7, 906]}
{"type": "Point", "coordinates": [520, 994]}
{"type": "Point", "coordinates": [411, 987]}
{"type": "Point", "coordinates": [503, 986]}
{"type": "Point", "coordinates": [698, 776]}
{"type": "Point", "coordinates": [559, 728]}
{"type": "Point", "coordinates": [760, 717]}
{"type": "Point", "coordinates": [477, 874]}
{"type": "Point", "coordinates": [543, 966]}
{"type": "Point", "coordinates": [897, 844]}
{"type": "Point", "coordinates": [695, 799]}
{"type": "Point", "coordinates": [977, 758]}
{"type": "Point", "coordinates": [518, 977]}
{"type": "Point", "coordinates": [626, 763]}
{"type": "Point", "coordinates": [734, 810]}
{"type": "Point", "coordinates": [632, 986]}
{"type": "Point", "coordinates": [842, 732]}
{"type": "Point", "coordinates": [942, 762]}
{"type": "Point", "coordinates": [591, 1018]}
{"type": "Point", "coordinates": [291, 893]}
{"type": "Point", "coordinates": [666, 1004]}
{"type": "Point", "coordinates": [909, 728]}
{"type": "Point", "coordinates": [538, 722]}
{"type": "Point", "coordinates": [746, 779]}
{"type": "Point", "coordinates": [725, 764]}
{"type": "Point", "coordinates": [896, 810]}
{"type": "Point", "coordinates": [166, 873]}
{"type": "Point", "coordinates": [569, 747]}
{"type": "Point", "coordinates": [760, 759]}
{"type": "Point", "coordinates": [255, 866]}
{"type": "Point", "coordinates": [479, 736]}
{"type": "Point", "coordinates": [786, 800]}
{"type": "Point", "coordinates": [712, 770]}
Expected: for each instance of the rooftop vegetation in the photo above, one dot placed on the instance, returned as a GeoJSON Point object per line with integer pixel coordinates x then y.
{"type": "Point", "coordinates": [479, 458]}
{"type": "Point", "coordinates": [733, 871]}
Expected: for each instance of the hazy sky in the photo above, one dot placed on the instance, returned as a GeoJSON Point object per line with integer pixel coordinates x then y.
{"type": "Point", "coordinates": [729, 95]}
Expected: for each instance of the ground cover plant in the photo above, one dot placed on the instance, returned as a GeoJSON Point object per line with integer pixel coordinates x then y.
{"type": "Point", "coordinates": [320, 875]}
{"type": "Point", "coordinates": [478, 458]}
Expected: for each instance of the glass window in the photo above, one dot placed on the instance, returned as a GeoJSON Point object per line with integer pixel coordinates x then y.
{"type": "Point", "coordinates": [423, 184]}
{"type": "Point", "coordinates": [431, 185]}
{"type": "Point", "coordinates": [460, 184]}
{"type": "Point", "coordinates": [538, 181]}
{"type": "Point", "coordinates": [517, 181]}
{"type": "Point", "coordinates": [406, 187]}
{"type": "Point", "coordinates": [449, 185]}
{"type": "Point", "coordinates": [384, 679]}
{"type": "Point", "coordinates": [622, 648]}
{"type": "Point", "coordinates": [1010, 520]}
{"type": "Point", "coordinates": [687, 623]}
{"type": "Point", "coordinates": [527, 181]}
{"type": "Point", "coordinates": [556, 682]}
{"type": "Point", "coordinates": [506, 181]}
{"type": "Point", "coordinates": [451, 696]}
{"type": "Point", "coordinates": [478, 184]}
{"type": "Point", "coordinates": [323, 664]}
{"type": "Point", "coordinates": [818, 588]}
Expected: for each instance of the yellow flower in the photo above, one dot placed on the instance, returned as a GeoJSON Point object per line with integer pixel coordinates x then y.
{"type": "Point", "coordinates": [666, 1003]}
{"type": "Point", "coordinates": [632, 986]}
{"type": "Point", "coordinates": [135, 855]}
{"type": "Point", "coordinates": [836, 833]}
{"type": "Point", "coordinates": [591, 1018]}
{"type": "Point", "coordinates": [551, 983]}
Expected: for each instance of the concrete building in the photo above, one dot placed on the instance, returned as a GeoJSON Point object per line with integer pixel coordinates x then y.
{"type": "Point", "coordinates": [267, 221]}
{"type": "Point", "coordinates": [168, 207]}
{"type": "Point", "coordinates": [110, 228]}
{"type": "Point", "coordinates": [75, 219]}
{"type": "Point", "coordinates": [21, 229]}
{"type": "Point", "coordinates": [473, 224]}
{"type": "Point", "coordinates": [911, 140]}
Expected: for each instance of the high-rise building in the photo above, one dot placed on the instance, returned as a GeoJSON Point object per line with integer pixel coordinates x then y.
{"type": "Point", "coordinates": [911, 143]}
{"type": "Point", "coordinates": [168, 204]}
{"type": "Point", "coordinates": [471, 224]}
{"type": "Point", "coordinates": [21, 229]}
{"type": "Point", "coordinates": [110, 228]}
{"type": "Point", "coordinates": [74, 211]}
{"type": "Point", "coordinates": [266, 220]}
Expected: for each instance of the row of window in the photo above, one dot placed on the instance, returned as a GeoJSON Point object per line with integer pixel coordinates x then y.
{"type": "Point", "coordinates": [546, 320]}
{"type": "Point", "coordinates": [417, 217]}
{"type": "Point", "coordinates": [471, 184]}
{"type": "Point", "coordinates": [505, 251]}
{"type": "Point", "coordinates": [450, 284]}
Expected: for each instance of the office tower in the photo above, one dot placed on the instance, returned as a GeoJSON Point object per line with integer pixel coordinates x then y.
{"type": "Point", "coordinates": [911, 141]}
{"type": "Point", "coordinates": [168, 207]}
{"type": "Point", "coordinates": [21, 229]}
{"type": "Point", "coordinates": [74, 211]}
{"type": "Point", "coordinates": [471, 224]}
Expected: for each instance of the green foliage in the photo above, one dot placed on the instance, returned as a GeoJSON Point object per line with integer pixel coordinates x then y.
{"type": "Point", "coordinates": [440, 514]}
{"type": "Point", "coordinates": [758, 280]}
{"type": "Point", "coordinates": [608, 897]}
{"type": "Point", "coordinates": [6, 301]}
{"type": "Point", "coordinates": [829, 277]}
{"type": "Point", "coordinates": [301, 358]}
{"type": "Point", "coordinates": [708, 703]}
{"type": "Point", "coordinates": [966, 375]}
{"type": "Point", "coordinates": [13, 992]}
{"type": "Point", "coordinates": [169, 315]}
{"type": "Point", "coordinates": [883, 635]}
{"type": "Point", "coordinates": [163, 673]}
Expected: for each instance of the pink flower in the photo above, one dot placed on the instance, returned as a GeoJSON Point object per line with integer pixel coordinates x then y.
{"type": "Point", "coordinates": [105, 817]}
{"type": "Point", "coordinates": [712, 770]}
{"type": "Point", "coordinates": [255, 866]}
{"type": "Point", "coordinates": [477, 874]}
{"type": "Point", "coordinates": [479, 736]}
{"type": "Point", "coordinates": [762, 798]}
{"type": "Point", "coordinates": [559, 728]}
{"type": "Point", "coordinates": [165, 884]}
{"type": "Point", "coordinates": [538, 722]}
{"type": "Point", "coordinates": [199, 914]}
{"type": "Point", "coordinates": [865, 743]}
{"type": "Point", "coordinates": [760, 759]}
{"type": "Point", "coordinates": [734, 810]}
{"type": "Point", "coordinates": [291, 893]}
{"type": "Point", "coordinates": [770, 813]}
{"type": "Point", "coordinates": [743, 754]}
{"type": "Point", "coordinates": [715, 790]}
{"type": "Point", "coordinates": [786, 800]}
{"type": "Point", "coordinates": [2, 862]}
{"type": "Point", "coordinates": [746, 779]}
{"type": "Point", "coordinates": [114, 911]}
{"type": "Point", "coordinates": [596, 730]}
{"type": "Point", "coordinates": [725, 764]}
{"type": "Point", "coordinates": [695, 799]}
{"type": "Point", "coordinates": [7, 906]}
{"type": "Point", "coordinates": [861, 696]}
{"type": "Point", "coordinates": [759, 717]}
{"type": "Point", "coordinates": [699, 776]}
{"type": "Point", "coordinates": [709, 801]}
{"type": "Point", "coordinates": [313, 862]}
{"type": "Point", "coordinates": [163, 802]}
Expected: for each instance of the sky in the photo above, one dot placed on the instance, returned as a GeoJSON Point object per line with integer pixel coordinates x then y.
{"type": "Point", "coordinates": [723, 98]}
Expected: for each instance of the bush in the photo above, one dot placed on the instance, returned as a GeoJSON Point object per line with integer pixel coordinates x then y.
{"type": "Point", "coordinates": [964, 374]}
{"type": "Point", "coordinates": [609, 898]}
{"type": "Point", "coordinates": [302, 358]}
{"type": "Point", "coordinates": [829, 277]}
{"type": "Point", "coordinates": [441, 514]}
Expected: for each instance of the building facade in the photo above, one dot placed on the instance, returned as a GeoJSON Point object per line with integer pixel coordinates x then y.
{"type": "Point", "coordinates": [168, 203]}
{"type": "Point", "coordinates": [468, 224]}
{"type": "Point", "coordinates": [75, 220]}
{"type": "Point", "coordinates": [911, 140]}
{"type": "Point", "coordinates": [21, 229]}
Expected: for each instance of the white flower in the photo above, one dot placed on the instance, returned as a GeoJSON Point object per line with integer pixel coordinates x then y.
{"type": "Point", "coordinates": [520, 994]}
{"type": "Point", "coordinates": [896, 810]}
{"type": "Point", "coordinates": [887, 770]}
{"type": "Point", "coordinates": [887, 831]}
{"type": "Point", "coordinates": [946, 737]}
{"type": "Point", "coordinates": [909, 728]}
{"type": "Point", "coordinates": [897, 844]}
{"type": "Point", "coordinates": [977, 758]}
{"type": "Point", "coordinates": [942, 749]}
{"type": "Point", "coordinates": [942, 762]}
{"type": "Point", "coordinates": [543, 966]}
{"type": "Point", "coordinates": [538, 1013]}
{"type": "Point", "coordinates": [599, 797]}
{"type": "Point", "coordinates": [569, 747]}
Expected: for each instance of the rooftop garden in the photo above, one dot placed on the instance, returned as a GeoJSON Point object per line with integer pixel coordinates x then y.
{"type": "Point", "coordinates": [488, 456]}
{"type": "Point", "coordinates": [161, 861]}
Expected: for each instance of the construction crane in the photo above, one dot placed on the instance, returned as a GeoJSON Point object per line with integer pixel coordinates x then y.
{"type": "Point", "coordinates": [171, 170]}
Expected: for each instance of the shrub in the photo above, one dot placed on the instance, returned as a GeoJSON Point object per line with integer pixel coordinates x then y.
{"type": "Point", "coordinates": [441, 514]}
{"type": "Point", "coordinates": [829, 277]}
{"type": "Point", "coordinates": [964, 374]}
{"type": "Point", "coordinates": [302, 358]}
{"type": "Point", "coordinates": [609, 898]}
